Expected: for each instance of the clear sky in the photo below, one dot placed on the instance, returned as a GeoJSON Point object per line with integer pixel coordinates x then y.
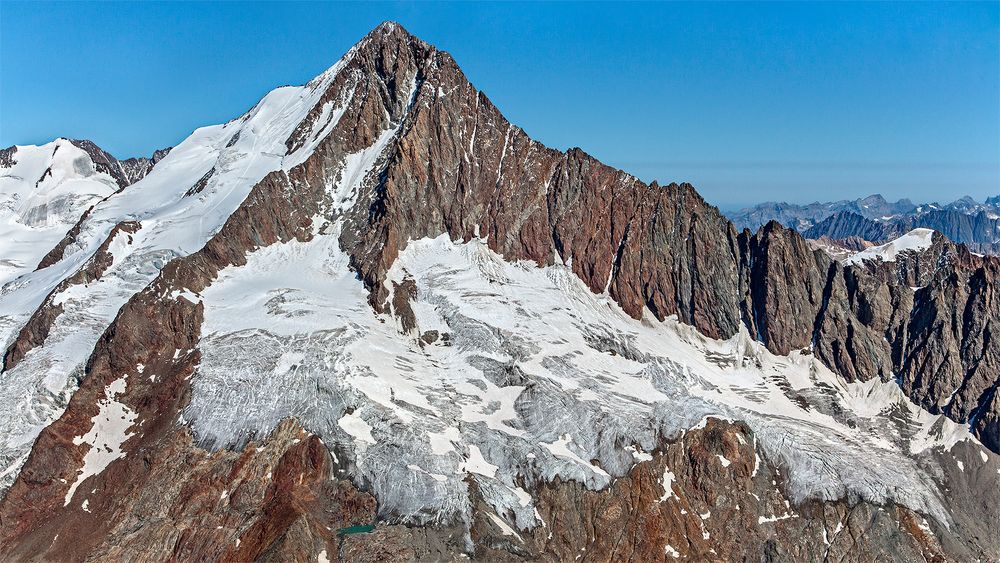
{"type": "Point", "coordinates": [750, 102]}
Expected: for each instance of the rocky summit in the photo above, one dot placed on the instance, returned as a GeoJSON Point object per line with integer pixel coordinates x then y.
{"type": "Point", "coordinates": [371, 319]}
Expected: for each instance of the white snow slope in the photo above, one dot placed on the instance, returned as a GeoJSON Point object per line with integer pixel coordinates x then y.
{"type": "Point", "coordinates": [539, 376]}
{"type": "Point", "coordinates": [536, 376]}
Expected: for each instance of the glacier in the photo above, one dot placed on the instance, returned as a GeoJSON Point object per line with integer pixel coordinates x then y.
{"type": "Point", "coordinates": [532, 377]}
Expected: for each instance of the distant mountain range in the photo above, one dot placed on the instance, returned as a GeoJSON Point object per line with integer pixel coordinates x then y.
{"type": "Point", "coordinates": [873, 218]}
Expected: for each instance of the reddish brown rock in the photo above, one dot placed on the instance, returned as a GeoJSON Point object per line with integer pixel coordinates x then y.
{"type": "Point", "coordinates": [787, 280]}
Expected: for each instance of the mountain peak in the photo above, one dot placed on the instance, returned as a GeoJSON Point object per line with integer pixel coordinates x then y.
{"type": "Point", "coordinates": [389, 27]}
{"type": "Point", "coordinates": [874, 198]}
{"type": "Point", "coordinates": [389, 32]}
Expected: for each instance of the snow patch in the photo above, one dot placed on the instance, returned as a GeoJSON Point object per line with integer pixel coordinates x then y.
{"type": "Point", "coordinates": [356, 426]}
{"type": "Point", "coordinates": [476, 463]}
{"type": "Point", "coordinates": [109, 430]}
{"type": "Point", "coordinates": [766, 519]}
{"type": "Point", "coordinates": [668, 487]}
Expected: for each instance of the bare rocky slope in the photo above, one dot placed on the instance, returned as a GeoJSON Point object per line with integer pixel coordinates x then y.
{"type": "Point", "coordinates": [391, 147]}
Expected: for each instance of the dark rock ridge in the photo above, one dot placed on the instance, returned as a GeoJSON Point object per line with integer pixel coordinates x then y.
{"type": "Point", "coordinates": [844, 224]}
{"type": "Point", "coordinates": [651, 247]}
{"type": "Point", "coordinates": [7, 156]}
{"type": "Point", "coordinates": [660, 249]}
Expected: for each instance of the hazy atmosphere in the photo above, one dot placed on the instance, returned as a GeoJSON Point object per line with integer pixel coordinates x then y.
{"type": "Point", "coordinates": [796, 102]}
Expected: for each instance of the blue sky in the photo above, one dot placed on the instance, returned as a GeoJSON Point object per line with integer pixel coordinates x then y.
{"type": "Point", "coordinates": [750, 102]}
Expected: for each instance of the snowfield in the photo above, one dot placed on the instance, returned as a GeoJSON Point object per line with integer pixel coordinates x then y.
{"type": "Point", "coordinates": [42, 196]}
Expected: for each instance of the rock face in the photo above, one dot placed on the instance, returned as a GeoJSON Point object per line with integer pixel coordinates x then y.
{"type": "Point", "coordinates": [394, 145]}
{"type": "Point", "coordinates": [708, 497]}
{"type": "Point", "coordinates": [915, 259]}
{"type": "Point", "coordinates": [846, 224]}
{"type": "Point", "coordinates": [661, 249]}
{"type": "Point", "coordinates": [960, 312]}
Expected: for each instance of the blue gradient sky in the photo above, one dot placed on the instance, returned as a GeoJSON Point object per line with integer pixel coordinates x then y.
{"type": "Point", "coordinates": [750, 102]}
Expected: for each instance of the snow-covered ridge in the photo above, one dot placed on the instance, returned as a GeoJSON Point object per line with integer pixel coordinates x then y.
{"type": "Point", "coordinates": [184, 200]}
{"type": "Point", "coordinates": [915, 241]}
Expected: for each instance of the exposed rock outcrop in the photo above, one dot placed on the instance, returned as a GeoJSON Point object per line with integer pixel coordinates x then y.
{"type": "Point", "coordinates": [707, 497]}
{"type": "Point", "coordinates": [661, 249]}
{"type": "Point", "coordinates": [844, 224]}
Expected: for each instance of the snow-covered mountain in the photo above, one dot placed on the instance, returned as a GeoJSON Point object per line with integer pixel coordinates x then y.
{"type": "Point", "coordinates": [371, 319]}
{"type": "Point", "coordinates": [913, 241]}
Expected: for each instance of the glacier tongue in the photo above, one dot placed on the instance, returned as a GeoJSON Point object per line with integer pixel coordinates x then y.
{"type": "Point", "coordinates": [532, 376]}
